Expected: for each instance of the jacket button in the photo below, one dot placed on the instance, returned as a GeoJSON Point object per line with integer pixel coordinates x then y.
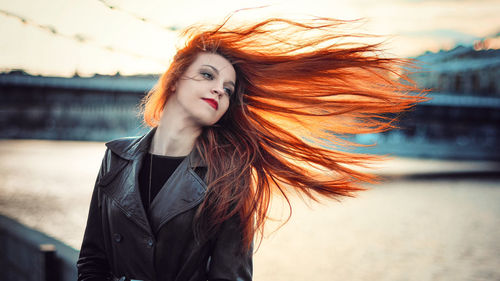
{"type": "Point", "coordinates": [150, 243]}
{"type": "Point", "coordinates": [117, 237]}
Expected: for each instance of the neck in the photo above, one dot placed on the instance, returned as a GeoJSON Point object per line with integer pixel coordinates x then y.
{"type": "Point", "coordinates": [175, 135]}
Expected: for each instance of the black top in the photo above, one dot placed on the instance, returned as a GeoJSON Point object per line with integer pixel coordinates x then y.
{"type": "Point", "coordinates": [163, 168]}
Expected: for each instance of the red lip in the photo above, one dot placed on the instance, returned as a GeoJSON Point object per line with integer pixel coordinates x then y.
{"type": "Point", "coordinates": [213, 103]}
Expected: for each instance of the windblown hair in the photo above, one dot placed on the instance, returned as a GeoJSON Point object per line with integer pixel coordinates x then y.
{"type": "Point", "coordinates": [301, 88]}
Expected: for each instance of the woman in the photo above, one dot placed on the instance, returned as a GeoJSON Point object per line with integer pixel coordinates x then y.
{"type": "Point", "coordinates": [241, 113]}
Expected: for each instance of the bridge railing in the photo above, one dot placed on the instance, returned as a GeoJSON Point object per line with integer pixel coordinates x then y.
{"type": "Point", "coordinates": [29, 255]}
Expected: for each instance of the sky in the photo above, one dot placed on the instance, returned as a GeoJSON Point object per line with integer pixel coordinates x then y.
{"type": "Point", "coordinates": [61, 37]}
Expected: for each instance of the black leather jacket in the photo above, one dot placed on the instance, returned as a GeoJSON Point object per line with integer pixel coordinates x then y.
{"type": "Point", "coordinates": [120, 241]}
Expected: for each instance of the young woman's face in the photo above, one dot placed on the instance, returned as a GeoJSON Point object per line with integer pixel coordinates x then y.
{"type": "Point", "coordinates": [204, 90]}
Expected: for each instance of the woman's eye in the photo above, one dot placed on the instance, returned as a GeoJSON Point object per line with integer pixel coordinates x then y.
{"type": "Point", "coordinates": [228, 91]}
{"type": "Point", "coordinates": [207, 75]}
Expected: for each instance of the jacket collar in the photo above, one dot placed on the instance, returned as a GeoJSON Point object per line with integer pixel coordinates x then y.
{"type": "Point", "coordinates": [130, 148]}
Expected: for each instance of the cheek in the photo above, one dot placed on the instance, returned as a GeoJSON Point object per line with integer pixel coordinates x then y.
{"type": "Point", "coordinates": [223, 105]}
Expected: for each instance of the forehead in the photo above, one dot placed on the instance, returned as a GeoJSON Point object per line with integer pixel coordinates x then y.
{"type": "Point", "coordinates": [220, 63]}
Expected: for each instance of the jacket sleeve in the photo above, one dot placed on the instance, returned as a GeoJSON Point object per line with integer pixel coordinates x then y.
{"type": "Point", "coordinates": [228, 260]}
{"type": "Point", "coordinates": [92, 263]}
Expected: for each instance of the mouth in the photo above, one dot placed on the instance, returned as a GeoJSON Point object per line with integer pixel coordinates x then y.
{"type": "Point", "coordinates": [213, 103]}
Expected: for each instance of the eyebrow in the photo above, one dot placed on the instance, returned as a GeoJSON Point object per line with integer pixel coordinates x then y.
{"type": "Point", "coordinates": [217, 71]}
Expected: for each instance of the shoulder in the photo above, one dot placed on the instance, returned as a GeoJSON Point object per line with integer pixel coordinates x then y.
{"type": "Point", "coordinates": [129, 147]}
{"type": "Point", "coordinates": [115, 158]}
{"type": "Point", "coordinates": [122, 144]}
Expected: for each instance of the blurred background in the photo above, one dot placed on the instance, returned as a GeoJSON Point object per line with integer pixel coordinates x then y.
{"type": "Point", "coordinates": [72, 74]}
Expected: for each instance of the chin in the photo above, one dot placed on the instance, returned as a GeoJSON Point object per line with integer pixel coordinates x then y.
{"type": "Point", "coordinates": [207, 122]}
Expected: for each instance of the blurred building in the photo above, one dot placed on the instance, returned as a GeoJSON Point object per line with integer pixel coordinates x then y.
{"type": "Point", "coordinates": [461, 121]}
{"type": "Point", "coordinates": [462, 71]}
{"type": "Point", "coordinates": [97, 108]}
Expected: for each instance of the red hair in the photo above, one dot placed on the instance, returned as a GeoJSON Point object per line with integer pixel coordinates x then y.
{"type": "Point", "coordinates": [301, 88]}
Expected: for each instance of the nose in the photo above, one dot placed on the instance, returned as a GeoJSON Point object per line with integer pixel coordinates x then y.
{"type": "Point", "coordinates": [217, 90]}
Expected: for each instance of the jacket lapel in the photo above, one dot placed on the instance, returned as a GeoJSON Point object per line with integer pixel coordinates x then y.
{"type": "Point", "coordinates": [182, 191]}
{"type": "Point", "coordinates": [125, 188]}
